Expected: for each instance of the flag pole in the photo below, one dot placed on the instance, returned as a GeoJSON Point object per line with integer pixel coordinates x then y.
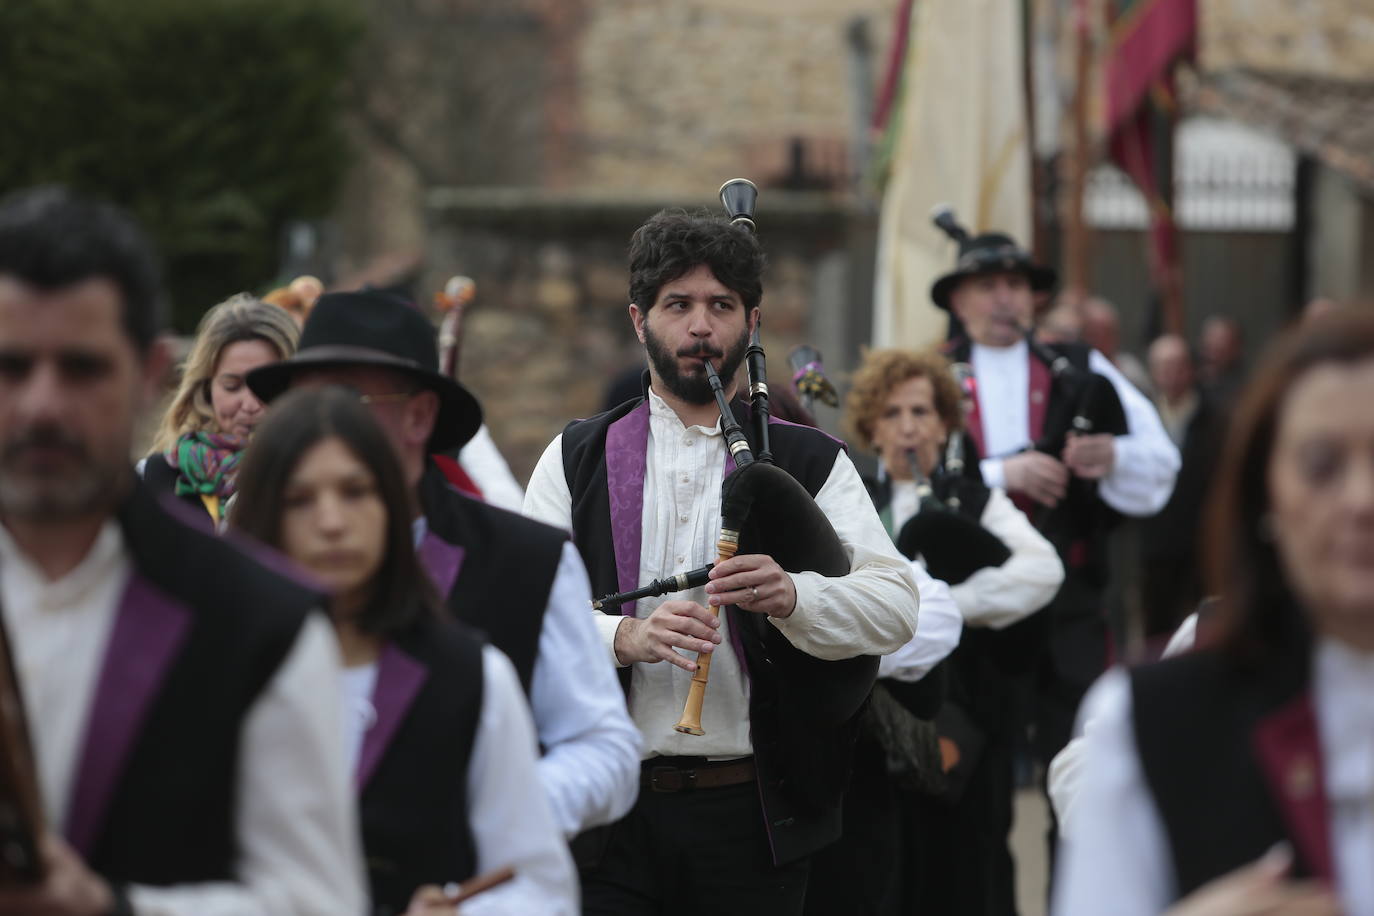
{"type": "Point", "coordinates": [1076, 227]}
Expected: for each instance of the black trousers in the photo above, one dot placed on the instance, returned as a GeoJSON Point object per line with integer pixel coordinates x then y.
{"type": "Point", "coordinates": [958, 858]}
{"type": "Point", "coordinates": [860, 874]}
{"type": "Point", "coordinates": [694, 852]}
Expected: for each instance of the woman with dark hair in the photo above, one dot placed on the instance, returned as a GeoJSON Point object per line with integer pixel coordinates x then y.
{"type": "Point", "coordinates": [437, 728]}
{"type": "Point", "coordinates": [1240, 777]}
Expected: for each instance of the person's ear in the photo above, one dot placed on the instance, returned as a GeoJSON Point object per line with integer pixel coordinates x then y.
{"type": "Point", "coordinates": [638, 318]}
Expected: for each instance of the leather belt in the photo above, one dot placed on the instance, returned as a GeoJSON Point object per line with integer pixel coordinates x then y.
{"type": "Point", "coordinates": [658, 775]}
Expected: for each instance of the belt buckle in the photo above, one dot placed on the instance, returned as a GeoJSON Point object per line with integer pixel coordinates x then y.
{"type": "Point", "coordinates": [672, 779]}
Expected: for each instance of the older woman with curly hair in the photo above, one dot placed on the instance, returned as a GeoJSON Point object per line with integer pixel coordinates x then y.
{"type": "Point", "coordinates": [213, 413]}
{"type": "Point", "coordinates": [906, 406]}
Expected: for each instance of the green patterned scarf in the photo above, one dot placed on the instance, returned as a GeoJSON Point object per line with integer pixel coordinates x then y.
{"type": "Point", "coordinates": [208, 463]}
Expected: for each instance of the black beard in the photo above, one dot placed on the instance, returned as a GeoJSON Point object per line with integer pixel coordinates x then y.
{"type": "Point", "coordinates": [693, 387]}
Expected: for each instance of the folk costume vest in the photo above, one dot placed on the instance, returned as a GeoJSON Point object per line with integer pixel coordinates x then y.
{"type": "Point", "coordinates": [200, 632]}
{"type": "Point", "coordinates": [604, 463]}
{"type": "Point", "coordinates": [493, 568]}
{"type": "Point", "coordinates": [1232, 756]}
{"type": "Point", "coordinates": [412, 771]}
{"type": "Point", "coordinates": [1072, 624]}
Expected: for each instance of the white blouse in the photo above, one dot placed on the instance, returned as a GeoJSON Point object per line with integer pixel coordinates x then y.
{"type": "Point", "coordinates": [1117, 859]}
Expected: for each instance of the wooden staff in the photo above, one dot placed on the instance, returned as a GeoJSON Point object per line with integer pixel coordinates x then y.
{"type": "Point", "coordinates": [480, 884]}
{"type": "Point", "coordinates": [21, 814]}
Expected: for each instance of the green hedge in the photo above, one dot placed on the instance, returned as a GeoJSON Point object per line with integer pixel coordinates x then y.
{"type": "Point", "coordinates": [214, 121]}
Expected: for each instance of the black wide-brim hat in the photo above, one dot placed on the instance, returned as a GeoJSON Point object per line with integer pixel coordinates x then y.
{"type": "Point", "coordinates": [992, 252]}
{"type": "Point", "coordinates": [373, 328]}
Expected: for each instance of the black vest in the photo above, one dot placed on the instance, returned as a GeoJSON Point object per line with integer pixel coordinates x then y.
{"type": "Point", "coordinates": [1071, 629]}
{"type": "Point", "coordinates": [171, 816]}
{"type": "Point", "coordinates": [162, 478]}
{"type": "Point", "coordinates": [1195, 718]}
{"type": "Point", "coordinates": [1078, 526]}
{"type": "Point", "coordinates": [799, 821]}
{"type": "Point", "coordinates": [509, 565]}
{"type": "Point", "coordinates": [414, 806]}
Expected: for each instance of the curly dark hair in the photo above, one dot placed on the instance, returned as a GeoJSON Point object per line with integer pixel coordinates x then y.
{"type": "Point", "coordinates": [673, 242]}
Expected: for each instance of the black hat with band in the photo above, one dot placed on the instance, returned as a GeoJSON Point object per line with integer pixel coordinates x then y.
{"type": "Point", "coordinates": [374, 328]}
{"type": "Point", "coordinates": [989, 253]}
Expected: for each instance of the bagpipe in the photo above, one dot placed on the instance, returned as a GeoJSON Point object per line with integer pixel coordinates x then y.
{"type": "Point", "coordinates": [952, 545]}
{"type": "Point", "coordinates": [764, 510]}
{"type": "Point", "coordinates": [1081, 402]}
{"type": "Point", "coordinates": [21, 812]}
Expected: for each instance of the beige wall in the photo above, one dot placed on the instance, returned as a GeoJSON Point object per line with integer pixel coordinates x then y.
{"type": "Point", "coordinates": [676, 97]}
{"type": "Point", "coordinates": [1331, 38]}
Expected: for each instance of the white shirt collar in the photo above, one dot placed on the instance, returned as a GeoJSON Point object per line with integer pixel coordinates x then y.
{"type": "Point", "coordinates": [660, 409]}
{"type": "Point", "coordinates": [106, 552]}
{"type": "Point", "coordinates": [1015, 353]}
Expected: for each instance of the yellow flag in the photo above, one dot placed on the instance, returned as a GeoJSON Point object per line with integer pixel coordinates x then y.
{"type": "Point", "coordinates": [963, 140]}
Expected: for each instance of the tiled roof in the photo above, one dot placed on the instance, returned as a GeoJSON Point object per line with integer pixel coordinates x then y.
{"type": "Point", "coordinates": [1332, 120]}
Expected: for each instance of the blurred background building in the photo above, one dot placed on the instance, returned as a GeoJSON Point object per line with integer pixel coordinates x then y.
{"type": "Point", "coordinates": [520, 142]}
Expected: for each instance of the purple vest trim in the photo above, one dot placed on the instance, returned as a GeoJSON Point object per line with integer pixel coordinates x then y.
{"type": "Point", "coordinates": [1288, 747]}
{"type": "Point", "coordinates": [442, 560]}
{"type": "Point", "coordinates": [627, 441]}
{"type": "Point", "coordinates": [399, 679]}
{"type": "Point", "coordinates": [149, 629]}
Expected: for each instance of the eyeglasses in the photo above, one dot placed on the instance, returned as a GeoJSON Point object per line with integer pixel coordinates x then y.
{"type": "Point", "coordinates": [385, 398]}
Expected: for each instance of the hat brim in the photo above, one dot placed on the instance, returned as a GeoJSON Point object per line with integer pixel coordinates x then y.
{"type": "Point", "coordinates": [1042, 279]}
{"type": "Point", "coordinates": [459, 418]}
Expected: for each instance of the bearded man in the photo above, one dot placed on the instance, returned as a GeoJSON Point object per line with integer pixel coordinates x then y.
{"type": "Point", "coordinates": [717, 825]}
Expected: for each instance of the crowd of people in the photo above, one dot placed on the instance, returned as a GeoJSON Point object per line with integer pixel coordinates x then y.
{"type": "Point", "coordinates": [294, 662]}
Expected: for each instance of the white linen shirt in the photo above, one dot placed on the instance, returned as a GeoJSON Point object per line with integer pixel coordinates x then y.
{"type": "Point", "coordinates": [1146, 463]}
{"type": "Point", "coordinates": [590, 767]}
{"type": "Point", "coordinates": [1117, 858]}
{"type": "Point", "coordinates": [997, 596]}
{"type": "Point", "coordinates": [511, 826]}
{"type": "Point", "coordinates": [296, 818]}
{"type": "Point", "coordinates": [938, 628]}
{"type": "Point", "coordinates": [871, 611]}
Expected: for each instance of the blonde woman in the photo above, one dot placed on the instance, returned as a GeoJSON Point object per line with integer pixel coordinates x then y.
{"type": "Point", "coordinates": [197, 449]}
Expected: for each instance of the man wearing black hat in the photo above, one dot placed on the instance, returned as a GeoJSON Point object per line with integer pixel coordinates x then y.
{"type": "Point", "coordinates": [730, 813]}
{"type": "Point", "coordinates": [1073, 442]}
{"type": "Point", "coordinates": [520, 582]}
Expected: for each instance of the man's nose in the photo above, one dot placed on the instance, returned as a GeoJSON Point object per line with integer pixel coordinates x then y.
{"type": "Point", "coordinates": [699, 325]}
{"type": "Point", "coordinates": [43, 395]}
{"type": "Point", "coordinates": [1358, 493]}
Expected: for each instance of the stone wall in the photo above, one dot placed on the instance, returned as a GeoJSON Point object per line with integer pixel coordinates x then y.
{"type": "Point", "coordinates": [673, 96]}
{"type": "Point", "coordinates": [549, 327]}
{"type": "Point", "coordinates": [1327, 38]}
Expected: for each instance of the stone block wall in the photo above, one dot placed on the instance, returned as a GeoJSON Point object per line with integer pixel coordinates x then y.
{"type": "Point", "coordinates": [549, 327]}
{"type": "Point", "coordinates": [1325, 38]}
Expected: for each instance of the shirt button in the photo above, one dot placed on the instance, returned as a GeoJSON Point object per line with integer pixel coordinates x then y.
{"type": "Point", "coordinates": [682, 518]}
{"type": "Point", "coordinates": [681, 560]}
{"type": "Point", "coordinates": [685, 478]}
{"type": "Point", "coordinates": [689, 442]}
